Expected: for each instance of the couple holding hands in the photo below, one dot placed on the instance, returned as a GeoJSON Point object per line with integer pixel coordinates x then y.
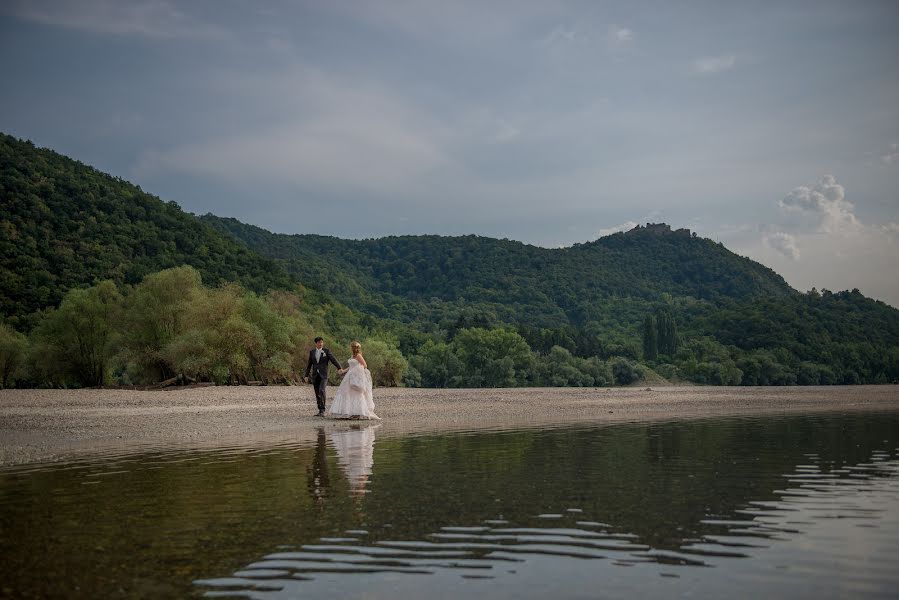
{"type": "Point", "coordinates": [353, 399]}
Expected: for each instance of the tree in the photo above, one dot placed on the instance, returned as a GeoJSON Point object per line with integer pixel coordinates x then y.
{"type": "Point", "coordinates": [158, 311]}
{"type": "Point", "coordinates": [650, 338]}
{"type": "Point", "coordinates": [666, 333]}
{"type": "Point", "coordinates": [624, 371]}
{"type": "Point", "coordinates": [13, 348]}
{"type": "Point", "coordinates": [272, 358]}
{"type": "Point", "coordinates": [559, 368]}
{"type": "Point", "coordinates": [219, 341]}
{"type": "Point", "coordinates": [492, 358]}
{"type": "Point", "coordinates": [385, 361]}
{"type": "Point", "coordinates": [437, 364]}
{"type": "Point", "coordinates": [74, 343]}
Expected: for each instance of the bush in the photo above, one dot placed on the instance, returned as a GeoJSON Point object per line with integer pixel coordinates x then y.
{"type": "Point", "coordinates": [13, 349]}
{"type": "Point", "coordinates": [623, 370]}
{"type": "Point", "coordinates": [385, 361]}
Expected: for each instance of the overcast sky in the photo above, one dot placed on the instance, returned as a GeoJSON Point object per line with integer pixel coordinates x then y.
{"type": "Point", "coordinates": [770, 126]}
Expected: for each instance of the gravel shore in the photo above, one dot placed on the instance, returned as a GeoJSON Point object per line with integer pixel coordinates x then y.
{"type": "Point", "coordinates": [54, 425]}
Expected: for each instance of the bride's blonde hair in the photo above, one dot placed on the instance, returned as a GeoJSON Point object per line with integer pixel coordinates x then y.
{"type": "Point", "coordinates": [356, 347]}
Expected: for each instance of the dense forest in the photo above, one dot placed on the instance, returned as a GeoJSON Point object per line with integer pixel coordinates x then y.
{"type": "Point", "coordinates": [64, 225]}
{"type": "Point", "coordinates": [105, 284]}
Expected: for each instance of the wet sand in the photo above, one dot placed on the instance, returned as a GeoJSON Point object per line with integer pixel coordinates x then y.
{"type": "Point", "coordinates": [55, 425]}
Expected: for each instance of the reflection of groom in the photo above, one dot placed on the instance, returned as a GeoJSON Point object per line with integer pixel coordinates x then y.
{"type": "Point", "coordinates": [317, 473]}
{"type": "Point", "coordinates": [319, 357]}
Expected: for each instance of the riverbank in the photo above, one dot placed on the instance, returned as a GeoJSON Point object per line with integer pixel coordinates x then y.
{"type": "Point", "coordinates": [53, 425]}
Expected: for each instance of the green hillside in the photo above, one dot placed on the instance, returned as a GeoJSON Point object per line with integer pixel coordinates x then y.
{"type": "Point", "coordinates": [403, 276]}
{"type": "Point", "coordinates": [734, 315]}
{"type": "Point", "coordinates": [111, 284]}
{"type": "Point", "coordinates": [65, 224]}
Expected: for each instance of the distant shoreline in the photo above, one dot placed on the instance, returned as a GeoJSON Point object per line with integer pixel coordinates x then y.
{"type": "Point", "coordinates": [56, 425]}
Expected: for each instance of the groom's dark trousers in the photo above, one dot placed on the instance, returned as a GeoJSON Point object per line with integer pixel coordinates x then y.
{"type": "Point", "coordinates": [319, 371]}
{"type": "Point", "coordinates": [320, 384]}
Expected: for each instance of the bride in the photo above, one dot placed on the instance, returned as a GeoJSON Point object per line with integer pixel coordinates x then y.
{"type": "Point", "coordinates": [353, 399]}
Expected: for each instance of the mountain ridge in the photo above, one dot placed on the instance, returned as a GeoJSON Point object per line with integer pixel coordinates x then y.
{"type": "Point", "coordinates": [66, 225]}
{"type": "Point", "coordinates": [639, 265]}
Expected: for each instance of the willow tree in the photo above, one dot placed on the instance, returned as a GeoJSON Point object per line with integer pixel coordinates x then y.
{"type": "Point", "coordinates": [74, 344]}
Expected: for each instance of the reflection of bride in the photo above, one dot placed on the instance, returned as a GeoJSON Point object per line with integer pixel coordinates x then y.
{"type": "Point", "coordinates": [355, 455]}
{"type": "Point", "coordinates": [353, 399]}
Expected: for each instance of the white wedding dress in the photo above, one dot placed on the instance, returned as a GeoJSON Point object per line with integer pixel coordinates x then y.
{"type": "Point", "coordinates": [354, 397]}
{"type": "Point", "coordinates": [355, 455]}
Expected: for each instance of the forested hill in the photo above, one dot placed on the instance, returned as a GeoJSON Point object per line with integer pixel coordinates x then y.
{"type": "Point", "coordinates": [734, 321]}
{"type": "Point", "coordinates": [521, 283]}
{"type": "Point", "coordinates": [64, 224]}
{"type": "Point", "coordinates": [606, 311]}
{"type": "Point", "coordinates": [646, 261]}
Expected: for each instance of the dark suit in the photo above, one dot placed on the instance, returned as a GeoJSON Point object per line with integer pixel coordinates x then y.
{"type": "Point", "coordinates": [320, 377]}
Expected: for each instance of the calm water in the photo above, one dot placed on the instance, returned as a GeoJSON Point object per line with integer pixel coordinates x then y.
{"type": "Point", "coordinates": [797, 506]}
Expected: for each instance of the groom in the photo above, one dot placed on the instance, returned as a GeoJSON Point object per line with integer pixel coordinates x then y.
{"type": "Point", "coordinates": [319, 357]}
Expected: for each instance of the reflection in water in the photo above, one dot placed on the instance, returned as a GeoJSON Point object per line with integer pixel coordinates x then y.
{"type": "Point", "coordinates": [355, 453]}
{"type": "Point", "coordinates": [317, 477]}
{"type": "Point", "coordinates": [793, 534]}
{"type": "Point", "coordinates": [782, 506]}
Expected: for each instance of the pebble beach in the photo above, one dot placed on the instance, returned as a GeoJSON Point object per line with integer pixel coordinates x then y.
{"type": "Point", "coordinates": [56, 425]}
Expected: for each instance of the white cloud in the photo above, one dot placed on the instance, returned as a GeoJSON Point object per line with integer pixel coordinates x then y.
{"type": "Point", "coordinates": [152, 18]}
{"type": "Point", "coordinates": [865, 259]}
{"type": "Point", "coordinates": [824, 205]}
{"type": "Point", "coordinates": [619, 38]}
{"type": "Point", "coordinates": [626, 226]}
{"type": "Point", "coordinates": [891, 156]}
{"type": "Point", "coordinates": [783, 243]}
{"type": "Point", "coordinates": [838, 251]}
{"type": "Point", "coordinates": [711, 65]}
{"type": "Point", "coordinates": [560, 35]}
{"type": "Point", "coordinates": [623, 35]}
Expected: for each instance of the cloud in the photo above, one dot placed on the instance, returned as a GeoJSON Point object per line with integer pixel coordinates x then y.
{"type": "Point", "coordinates": [151, 18]}
{"type": "Point", "coordinates": [619, 38]}
{"type": "Point", "coordinates": [823, 204]}
{"type": "Point", "coordinates": [622, 35]}
{"type": "Point", "coordinates": [891, 156]}
{"type": "Point", "coordinates": [506, 132]}
{"type": "Point", "coordinates": [626, 226]}
{"type": "Point", "coordinates": [322, 130]}
{"type": "Point", "coordinates": [783, 243]}
{"type": "Point", "coordinates": [712, 65]}
{"type": "Point", "coordinates": [838, 251]}
{"type": "Point", "coordinates": [560, 35]}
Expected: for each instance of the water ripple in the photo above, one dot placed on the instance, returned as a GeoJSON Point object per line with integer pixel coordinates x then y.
{"type": "Point", "coordinates": [485, 551]}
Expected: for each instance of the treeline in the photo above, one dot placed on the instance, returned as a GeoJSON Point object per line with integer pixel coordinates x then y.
{"type": "Point", "coordinates": [704, 360]}
{"type": "Point", "coordinates": [778, 343]}
{"type": "Point", "coordinates": [172, 327]}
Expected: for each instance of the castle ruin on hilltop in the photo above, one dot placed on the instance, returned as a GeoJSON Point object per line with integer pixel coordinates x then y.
{"type": "Point", "coordinates": [659, 229]}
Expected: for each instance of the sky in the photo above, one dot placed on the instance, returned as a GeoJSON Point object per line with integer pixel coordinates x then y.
{"type": "Point", "coordinates": [772, 127]}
